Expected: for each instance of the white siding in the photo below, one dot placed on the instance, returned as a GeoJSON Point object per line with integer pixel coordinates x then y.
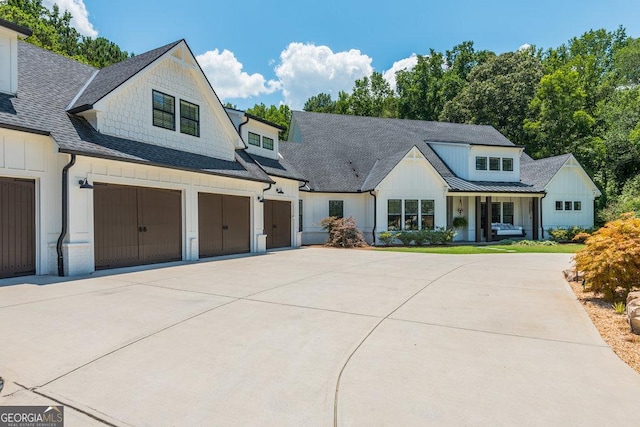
{"type": "Point", "coordinates": [263, 130]}
{"type": "Point", "coordinates": [496, 176]}
{"type": "Point", "coordinates": [316, 207]}
{"type": "Point", "coordinates": [456, 156]}
{"type": "Point", "coordinates": [412, 178]}
{"type": "Point", "coordinates": [128, 112]}
{"type": "Point", "coordinates": [570, 184]}
{"type": "Point", "coordinates": [28, 156]}
{"type": "Point", "coordinates": [8, 61]}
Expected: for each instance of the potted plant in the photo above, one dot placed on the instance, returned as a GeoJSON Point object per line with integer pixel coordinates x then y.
{"type": "Point", "coordinates": [460, 222]}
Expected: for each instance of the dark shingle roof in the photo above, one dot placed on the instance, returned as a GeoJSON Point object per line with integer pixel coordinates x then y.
{"type": "Point", "coordinates": [540, 172]}
{"type": "Point", "coordinates": [110, 78]}
{"type": "Point", "coordinates": [279, 167]}
{"type": "Point", "coordinates": [47, 83]}
{"type": "Point", "coordinates": [341, 153]}
{"type": "Point", "coordinates": [15, 27]}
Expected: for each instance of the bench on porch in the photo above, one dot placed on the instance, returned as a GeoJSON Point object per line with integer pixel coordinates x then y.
{"type": "Point", "coordinates": [499, 229]}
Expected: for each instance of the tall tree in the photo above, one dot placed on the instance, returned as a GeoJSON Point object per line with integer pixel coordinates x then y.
{"type": "Point", "coordinates": [372, 96]}
{"type": "Point", "coordinates": [320, 103]}
{"type": "Point", "coordinates": [498, 93]}
{"type": "Point", "coordinates": [279, 115]}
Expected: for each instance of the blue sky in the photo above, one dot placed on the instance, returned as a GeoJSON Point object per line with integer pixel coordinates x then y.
{"type": "Point", "coordinates": [285, 51]}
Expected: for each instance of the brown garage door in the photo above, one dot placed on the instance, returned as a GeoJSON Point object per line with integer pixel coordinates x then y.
{"type": "Point", "coordinates": [17, 227]}
{"type": "Point", "coordinates": [135, 225]}
{"type": "Point", "coordinates": [277, 223]}
{"type": "Point", "coordinates": [224, 224]}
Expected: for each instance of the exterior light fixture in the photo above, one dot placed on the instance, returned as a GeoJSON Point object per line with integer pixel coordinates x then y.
{"type": "Point", "coordinates": [85, 184]}
{"type": "Point", "coordinates": [279, 190]}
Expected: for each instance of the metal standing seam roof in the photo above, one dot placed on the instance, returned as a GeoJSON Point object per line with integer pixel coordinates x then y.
{"type": "Point", "coordinates": [47, 82]}
{"type": "Point", "coordinates": [341, 153]}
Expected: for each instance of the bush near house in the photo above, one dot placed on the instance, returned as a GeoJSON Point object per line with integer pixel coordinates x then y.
{"type": "Point", "coordinates": [343, 232]}
{"type": "Point", "coordinates": [439, 236]}
{"type": "Point", "coordinates": [564, 235]}
{"type": "Point", "coordinates": [386, 237]}
{"type": "Point", "coordinates": [611, 258]}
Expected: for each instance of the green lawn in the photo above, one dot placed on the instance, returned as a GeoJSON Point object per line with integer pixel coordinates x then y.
{"type": "Point", "coordinates": [492, 249]}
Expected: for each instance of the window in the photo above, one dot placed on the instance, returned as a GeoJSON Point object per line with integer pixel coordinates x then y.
{"type": "Point", "coordinates": [567, 206]}
{"type": "Point", "coordinates": [410, 214]}
{"type": "Point", "coordinates": [481, 163]}
{"type": "Point", "coordinates": [494, 163]}
{"type": "Point", "coordinates": [427, 221]}
{"type": "Point", "coordinates": [394, 213]}
{"type": "Point", "coordinates": [336, 208]}
{"type": "Point", "coordinates": [189, 118]}
{"type": "Point", "coordinates": [300, 215]}
{"type": "Point", "coordinates": [267, 143]}
{"type": "Point", "coordinates": [164, 110]}
{"type": "Point", "coordinates": [507, 164]}
{"type": "Point", "coordinates": [495, 212]}
{"type": "Point", "coordinates": [507, 213]}
{"type": "Point", "coordinates": [254, 139]}
{"type": "Point", "coordinates": [558, 205]}
{"type": "Point", "coordinates": [577, 206]}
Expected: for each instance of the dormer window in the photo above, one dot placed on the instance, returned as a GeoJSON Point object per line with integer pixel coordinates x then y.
{"type": "Point", "coordinates": [189, 118]}
{"type": "Point", "coordinates": [267, 143]}
{"type": "Point", "coordinates": [481, 163]}
{"type": "Point", "coordinates": [507, 164]}
{"type": "Point", "coordinates": [254, 139]}
{"type": "Point", "coordinates": [164, 110]}
{"type": "Point", "coordinates": [494, 163]}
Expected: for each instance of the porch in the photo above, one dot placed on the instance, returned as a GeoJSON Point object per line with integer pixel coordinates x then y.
{"type": "Point", "coordinates": [495, 216]}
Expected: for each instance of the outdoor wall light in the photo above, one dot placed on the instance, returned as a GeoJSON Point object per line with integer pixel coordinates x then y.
{"type": "Point", "coordinates": [261, 199]}
{"type": "Point", "coordinates": [85, 184]}
{"type": "Point", "coordinates": [279, 190]}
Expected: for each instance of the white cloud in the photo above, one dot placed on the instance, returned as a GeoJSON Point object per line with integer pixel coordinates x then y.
{"type": "Point", "coordinates": [225, 73]}
{"type": "Point", "coordinates": [306, 70]}
{"type": "Point", "coordinates": [524, 47]}
{"type": "Point", "coordinates": [403, 64]}
{"type": "Point", "coordinates": [80, 20]}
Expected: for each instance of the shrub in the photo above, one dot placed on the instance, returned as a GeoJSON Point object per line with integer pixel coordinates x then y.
{"type": "Point", "coordinates": [536, 243]}
{"type": "Point", "coordinates": [343, 232]}
{"type": "Point", "coordinates": [406, 237]}
{"type": "Point", "coordinates": [505, 242]}
{"type": "Point", "coordinates": [571, 234]}
{"type": "Point", "coordinates": [421, 237]}
{"type": "Point", "coordinates": [611, 258]}
{"type": "Point", "coordinates": [441, 235]}
{"type": "Point", "coordinates": [386, 237]}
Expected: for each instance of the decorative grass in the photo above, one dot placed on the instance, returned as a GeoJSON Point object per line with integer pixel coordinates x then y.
{"type": "Point", "coordinates": [489, 249]}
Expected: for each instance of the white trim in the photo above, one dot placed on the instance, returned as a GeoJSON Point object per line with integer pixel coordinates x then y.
{"type": "Point", "coordinates": [75, 98]}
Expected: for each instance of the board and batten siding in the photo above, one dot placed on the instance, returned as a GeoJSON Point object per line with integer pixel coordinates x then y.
{"type": "Point", "coordinates": [495, 176]}
{"type": "Point", "coordinates": [456, 156]}
{"type": "Point", "coordinates": [570, 184]}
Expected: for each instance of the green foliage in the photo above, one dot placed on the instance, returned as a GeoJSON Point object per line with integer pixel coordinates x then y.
{"type": "Point", "coordinates": [279, 115]}
{"type": "Point", "coordinates": [506, 242]}
{"type": "Point", "coordinates": [439, 236]}
{"type": "Point", "coordinates": [460, 222]}
{"type": "Point", "coordinates": [571, 234]}
{"type": "Point", "coordinates": [535, 243]}
{"type": "Point", "coordinates": [627, 201]}
{"type": "Point", "coordinates": [386, 237]}
{"type": "Point", "coordinates": [406, 237]}
{"type": "Point", "coordinates": [610, 259]}
{"type": "Point", "coordinates": [343, 232]}
{"type": "Point", "coordinates": [619, 307]}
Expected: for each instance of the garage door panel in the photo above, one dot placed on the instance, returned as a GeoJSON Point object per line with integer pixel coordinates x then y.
{"type": "Point", "coordinates": [237, 223]}
{"type": "Point", "coordinates": [116, 226]}
{"type": "Point", "coordinates": [210, 224]}
{"type": "Point", "coordinates": [277, 223]}
{"type": "Point", "coordinates": [17, 227]}
{"type": "Point", "coordinates": [160, 214]}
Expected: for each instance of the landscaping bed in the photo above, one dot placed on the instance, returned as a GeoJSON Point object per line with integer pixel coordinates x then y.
{"type": "Point", "coordinates": [613, 327]}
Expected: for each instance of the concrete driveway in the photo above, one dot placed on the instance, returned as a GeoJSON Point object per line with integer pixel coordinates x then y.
{"type": "Point", "coordinates": [315, 337]}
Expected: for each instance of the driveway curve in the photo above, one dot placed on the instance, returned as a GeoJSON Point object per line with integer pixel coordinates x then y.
{"type": "Point", "coordinates": [315, 337]}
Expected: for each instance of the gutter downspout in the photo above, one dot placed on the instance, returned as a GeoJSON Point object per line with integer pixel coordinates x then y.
{"type": "Point", "coordinates": [542, 226]}
{"type": "Point", "coordinates": [375, 215]}
{"type": "Point", "coordinates": [240, 131]}
{"type": "Point", "coordinates": [65, 213]}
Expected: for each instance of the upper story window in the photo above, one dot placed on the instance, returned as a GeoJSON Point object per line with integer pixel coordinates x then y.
{"type": "Point", "coordinates": [336, 208]}
{"type": "Point", "coordinates": [481, 163]}
{"type": "Point", "coordinates": [568, 206]}
{"type": "Point", "coordinates": [267, 143]}
{"type": "Point", "coordinates": [254, 139]}
{"type": "Point", "coordinates": [494, 163]}
{"type": "Point", "coordinates": [507, 164]}
{"type": "Point", "coordinates": [558, 205]}
{"type": "Point", "coordinates": [164, 110]}
{"type": "Point", "coordinates": [577, 206]}
{"type": "Point", "coordinates": [189, 118]}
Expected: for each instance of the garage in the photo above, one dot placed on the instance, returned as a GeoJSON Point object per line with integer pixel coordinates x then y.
{"type": "Point", "coordinates": [224, 224]}
{"type": "Point", "coordinates": [136, 225]}
{"type": "Point", "coordinates": [277, 223]}
{"type": "Point", "coordinates": [17, 227]}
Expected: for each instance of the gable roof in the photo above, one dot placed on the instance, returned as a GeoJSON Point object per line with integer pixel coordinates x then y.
{"type": "Point", "coordinates": [540, 172]}
{"type": "Point", "coordinates": [110, 78]}
{"type": "Point", "coordinates": [341, 153]}
{"type": "Point", "coordinates": [15, 27]}
{"type": "Point", "coordinates": [47, 82]}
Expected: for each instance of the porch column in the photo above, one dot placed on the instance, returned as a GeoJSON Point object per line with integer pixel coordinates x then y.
{"type": "Point", "coordinates": [535, 214]}
{"type": "Point", "coordinates": [488, 219]}
{"type": "Point", "coordinates": [478, 219]}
